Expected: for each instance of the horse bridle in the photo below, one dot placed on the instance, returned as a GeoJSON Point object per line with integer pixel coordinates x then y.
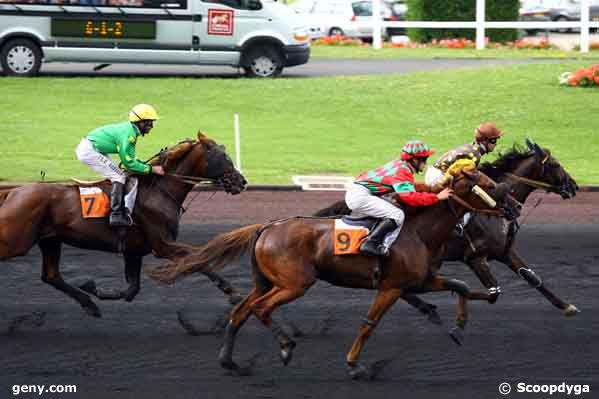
{"type": "Point", "coordinates": [537, 183]}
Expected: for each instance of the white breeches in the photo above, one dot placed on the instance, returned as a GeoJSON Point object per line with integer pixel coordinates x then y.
{"type": "Point", "coordinates": [105, 166]}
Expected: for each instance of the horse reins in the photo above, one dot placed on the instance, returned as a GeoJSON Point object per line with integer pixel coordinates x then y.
{"type": "Point", "coordinates": [533, 183]}
{"type": "Point", "coordinates": [493, 212]}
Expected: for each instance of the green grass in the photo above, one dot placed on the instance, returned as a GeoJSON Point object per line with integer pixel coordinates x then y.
{"type": "Point", "coordinates": [339, 125]}
{"type": "Point", "coordinates": [321, 51]}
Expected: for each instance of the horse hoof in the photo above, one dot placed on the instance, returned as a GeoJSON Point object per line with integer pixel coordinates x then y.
{"type": "Point", "coordinates": [93, 311]}
{"type": "Point", "coordinates": [287, 353]}
{"type": "Point", "coordinates": [359, 372]}
{"type": "Point", "coordinates": [457, 334]}
{"type": "Point", "coordinates": [434, 317]}
{"type": "Point", "coordinates": [571, 310]}
{"type": "Point", "coordinates": [109, 294]}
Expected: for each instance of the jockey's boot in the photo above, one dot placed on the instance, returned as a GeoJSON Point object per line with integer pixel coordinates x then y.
{"type": "Point", "coordinates": [118, 213]}
{"type": "Point", "coordinates": [373, 245]}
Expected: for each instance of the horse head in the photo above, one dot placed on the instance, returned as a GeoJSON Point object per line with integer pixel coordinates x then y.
{"type": "Point", "coordinates": [480, 192]}
{"type": "Point", "coordinates": [544, 167]}
{"type": "Point", "coordinates": [204, 158]}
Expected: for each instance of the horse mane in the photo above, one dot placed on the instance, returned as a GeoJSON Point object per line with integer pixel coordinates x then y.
{"type": "Point", "coordinates": [506, 162]}
{"type": "Point", "coordinates": [173, 153]}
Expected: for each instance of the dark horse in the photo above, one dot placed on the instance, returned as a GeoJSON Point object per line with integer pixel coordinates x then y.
{"type": "Point", "coordinates": [288, 256]}
{"type": "Point", "coordinates": [50, 214]}
{"type": "Point", "coordinates": [491, 238]}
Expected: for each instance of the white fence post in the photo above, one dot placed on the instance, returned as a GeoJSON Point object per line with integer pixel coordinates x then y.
{"type": "Point", "coordinates": [376, 24]}
{"type": "Point", "coordinates": [237, 143]}
{"type": "Point", "coordinates": [584, 26]}
{"type": "Point", "coordinates": [480, 24]}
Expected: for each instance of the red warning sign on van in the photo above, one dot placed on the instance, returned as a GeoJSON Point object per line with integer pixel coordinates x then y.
{"type": "Point", "coordinates": [220, 22]}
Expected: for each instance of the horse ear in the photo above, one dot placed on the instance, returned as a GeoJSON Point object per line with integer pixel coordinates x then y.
{"type": "Point", "coordinates": [201, 135]}
{"type": "Point", "coordinates": [539, 151]}
{"type": "Point", "coordinates": [530, 144]}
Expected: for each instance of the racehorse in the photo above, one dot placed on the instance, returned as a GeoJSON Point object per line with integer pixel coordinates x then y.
{"type": "Point", "coordinates": [49, 215]}
{"type": "Point", "coordinates": [490, 238]}
{"type": "Point", "coordinates": [288, 256]}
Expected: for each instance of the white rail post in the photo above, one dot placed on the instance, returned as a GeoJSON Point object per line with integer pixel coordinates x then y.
{"type": "Point", "coordinates": [376, 24]}
{"type": "Point", "coordinates": [237, 144]}
{"type": "Point", "coordinates": [584, 26]}
{"type": "Point", "coordinates": [480, 24]}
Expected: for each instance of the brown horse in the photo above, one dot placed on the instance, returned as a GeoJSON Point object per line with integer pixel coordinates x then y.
{"type": "Point", "coordinates": [288, 257]}
{"type": "Point", "coordinates": [50, 214]}
{"type": "Point", "coordinates": [489, 238]}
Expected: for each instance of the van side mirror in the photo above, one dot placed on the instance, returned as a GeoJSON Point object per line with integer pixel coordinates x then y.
{"type": "Point", "coordinates": [254, 5]}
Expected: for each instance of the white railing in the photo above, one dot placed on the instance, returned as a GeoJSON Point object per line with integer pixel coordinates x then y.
{"type": "Point", "coordinates": [480, 25]}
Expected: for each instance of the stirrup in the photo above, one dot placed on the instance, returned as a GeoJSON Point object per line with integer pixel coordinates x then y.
{"type": "Point", "coordinates": [120, 219]}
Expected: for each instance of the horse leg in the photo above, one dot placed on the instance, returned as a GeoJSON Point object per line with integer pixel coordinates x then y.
{"type": "Point", "coordinates": [239, 315]}
{"type": "Point", "coordinates": [520, 267]}
{"type": "Point", "coordinates": [382, 302]}
{"type": "Point", "coordinates": [266, 304]}
{"type": "Point", "coordinates": [51, 248]}
{"type": "Point", "coordinates": [132, 276]}
{"type": "Point", "coordinates": [480, 267]}
{"type": "Point", "coordinates": [224, 285]}
{"type": "Point", "coordinates": [425, 308]}
{"type": "Point", "coordinates": [438, 283]}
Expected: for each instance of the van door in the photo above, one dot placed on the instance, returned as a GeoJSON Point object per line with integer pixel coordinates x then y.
{"type": "Point", "coordinates": [223, 26]}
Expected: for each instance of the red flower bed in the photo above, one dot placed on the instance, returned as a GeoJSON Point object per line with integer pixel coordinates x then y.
{"type": "Point", "coordinates": [584, 77]}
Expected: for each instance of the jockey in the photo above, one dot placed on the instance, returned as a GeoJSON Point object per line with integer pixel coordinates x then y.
{"type": "Point", "coordinates": [119, 139]}
{"type": "Point", "coordinates": [395, 176]}
{"type": "Point", "coordinates": [485, 141]}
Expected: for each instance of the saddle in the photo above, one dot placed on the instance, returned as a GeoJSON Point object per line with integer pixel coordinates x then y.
{"type": "Point", "coordinates": [367, 222]}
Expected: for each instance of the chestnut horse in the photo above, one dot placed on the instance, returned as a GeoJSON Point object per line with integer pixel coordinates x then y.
{"type": "Point", "coordinates": [49, 215]}
{"type": "Point", "coordinates": [489, 238]}
{"type": "Point", "coordinates": [288, 256]}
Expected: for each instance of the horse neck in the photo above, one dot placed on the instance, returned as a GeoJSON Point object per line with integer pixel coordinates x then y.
{"type": "Point", "coordinates": [435, 225]}
{"type": "Point", "coordinates": [521, 190]}
{"type": "Point", "coordinates": [170, 189]}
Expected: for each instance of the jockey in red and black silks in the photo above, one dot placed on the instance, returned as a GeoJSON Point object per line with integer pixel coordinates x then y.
{"type": "Point", "coordinates": [396, 176]}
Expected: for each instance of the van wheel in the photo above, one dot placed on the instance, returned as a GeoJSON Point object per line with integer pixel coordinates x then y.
{"type": "Point", "coordinates": [336, 32]}
{"type": "Point", "coordinates": [263, 62]}
{"type": "Point", "coordinates": [21, 57]}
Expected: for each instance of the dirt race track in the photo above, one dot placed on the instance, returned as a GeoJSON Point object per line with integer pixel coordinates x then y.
{"type": "Point", "coordinates": [140, 350]}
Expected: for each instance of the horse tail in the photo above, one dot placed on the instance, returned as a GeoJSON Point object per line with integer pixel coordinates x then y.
{"type": "Point", "coordinates": [336, 209]}
{"type": "Point", "coordinates": [216, 254]}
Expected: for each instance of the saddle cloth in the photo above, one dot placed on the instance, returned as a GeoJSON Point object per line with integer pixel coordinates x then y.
{"type": "Point", "coordinates": [95, 203]}
{"type": "Point", "coordinates": [95, 200]}
{"type": "Point", "coordinates": [349, 233]}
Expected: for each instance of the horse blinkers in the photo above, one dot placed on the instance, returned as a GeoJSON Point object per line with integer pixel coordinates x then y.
{"type": "Point", "coordinates": [219, 166]}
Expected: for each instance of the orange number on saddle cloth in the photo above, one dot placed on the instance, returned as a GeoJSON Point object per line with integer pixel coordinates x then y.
{"type": "Point", "coordinates": [94, 202]}
{"type": "Point", "coordinates": [348, 238]}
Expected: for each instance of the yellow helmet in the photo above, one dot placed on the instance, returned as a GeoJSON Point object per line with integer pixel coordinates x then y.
{"type": "Point", "coordinates": [143, 112]}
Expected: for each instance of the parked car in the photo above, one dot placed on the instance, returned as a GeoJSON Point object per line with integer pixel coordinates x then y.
{"type": "Point", "coordinates": [555, 10]}
{"type": "Point", "coordinates": [342, 17]}
{"type": "Point", "coordinates": [399, 10]}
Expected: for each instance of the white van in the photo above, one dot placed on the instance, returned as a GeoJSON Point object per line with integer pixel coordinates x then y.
{"type": "Point", "coordinates": [262, 36]}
